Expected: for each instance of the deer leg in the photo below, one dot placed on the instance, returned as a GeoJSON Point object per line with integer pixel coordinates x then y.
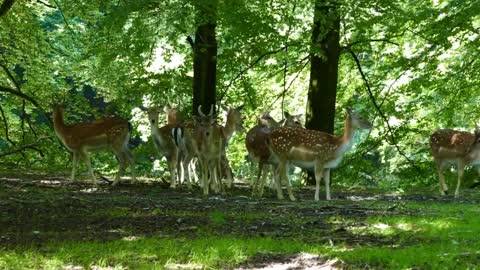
{"type": "Point", "coordinates": [226, 166]}
{"type": "Point", "coordinates": [281, 172]}
{"type": "Point", "coordinates": [460, 168]}
{"type": "Point", "coordinates": [131, 161]}
{"type": "Point", "coordinates": [257, 182]}
{"type": "Point", "coordinates": [318, 178]}
{"type": "Point", "coordinates": [180, 170]}
{"type": "Point", "coordinates": [193, 169]}
{"type": "Point", "coordinates": [289, 184]}
{"type": "Point", "coordinates": [187, 163]}
{"type": "Point", "coordinates": [326, 179]}
{"type": "Point", "coordinates": [172, 162]}
{"type": "Point", "coordinates": [441, 178]}
{"type": "Point", "coordinates": [74, 166]}
{"type": "Point", "coordinates": [89, 166]}
{"type": "Point", "coordinates": [121, 168]}
{"type": "Point", "coordinates": [218, 176]}
{"type": "Point", "coordinates": [204, 176]}
{"type": "Point", "coordinates": [263, 182]}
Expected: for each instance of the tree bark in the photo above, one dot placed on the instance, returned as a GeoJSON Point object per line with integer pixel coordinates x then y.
{"type": "Point", "coordinates": [205, 57]}
{"type": "Point", "coordinates": [6, 6]}
{"type": "Point", "coordinates": [322, 90]}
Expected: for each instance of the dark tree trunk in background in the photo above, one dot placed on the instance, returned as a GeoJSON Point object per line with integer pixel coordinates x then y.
{"type": "Point", "coordinates": [205, 56]}
{"type": "Point", "coordinates": [322, 91]}
{"type": "Point", "coordinates": [5, 7]}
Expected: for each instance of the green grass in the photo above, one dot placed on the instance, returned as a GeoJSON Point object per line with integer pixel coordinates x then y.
{"type": "Point", "coordinates": [148, 253]}
{"type": "Point", "coordinates": [438, 234]}
{"type": "Point", "coordinates": [440, 237]}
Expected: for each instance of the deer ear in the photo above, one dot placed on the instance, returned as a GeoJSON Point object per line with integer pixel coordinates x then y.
{"type": "Point", "coordinates": [166, 108]}
{"type": "Point", "coordinates": [240, 107]}
{"type": "Point", "coordinates": [287, 114]}
{"type": "Point", "coordinates": [349, 110]}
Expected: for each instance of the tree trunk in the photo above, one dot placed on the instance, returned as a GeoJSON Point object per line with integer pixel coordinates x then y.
{"type": "Point", "coordinates": [6, 6]}
{"type": "Point", "coordinates": [205, 57]}
{"type": "Point", "coordinates": [325, 49]}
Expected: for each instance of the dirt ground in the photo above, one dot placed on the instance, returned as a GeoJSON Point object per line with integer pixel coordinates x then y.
{"type": "Point", "coordinates": [36, 209]}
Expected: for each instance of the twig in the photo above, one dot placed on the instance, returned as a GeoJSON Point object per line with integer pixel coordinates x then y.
{"type": "Point", "coordinates": [250, 66]}
{"type": "Point", "coordinates": [392, 135]}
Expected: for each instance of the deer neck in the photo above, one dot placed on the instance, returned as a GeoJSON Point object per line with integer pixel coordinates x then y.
{"type": "Point", "coordinates": [346, 141]}
{"type": "Point", "coordinates": [229, 128]}
{"type": "Point", "coordinates": [59, 123]}
{"type": "Point", "coordinates": [172, 119]}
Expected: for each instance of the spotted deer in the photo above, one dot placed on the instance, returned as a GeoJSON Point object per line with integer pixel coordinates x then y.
{"type": "Point", "coordinates": [209, 144]}
{"type": "Point", "coordinates": [258, 149]}
{"type": "Point", "coordinates": [455, 147]}
{"type": "Point", "coordinates": [188, 138]}
{"type": "Point", "coordinates": [102, 134]}
{"type": "Point", "coordinates": [164, 141]}
{"type": "Point", "coordinates": [233, 124]}
{"type": "Point", "coordinates": [311, 149]}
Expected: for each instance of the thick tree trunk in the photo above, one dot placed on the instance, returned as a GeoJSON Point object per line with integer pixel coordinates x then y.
{"type": "Point", "coordinates": [6, 6]}
{"type": "Point", "coordinates": [322, 91]}
{"type": "Point", "coordinates": [205, 57]}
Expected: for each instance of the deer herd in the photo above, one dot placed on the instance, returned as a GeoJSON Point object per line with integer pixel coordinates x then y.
{"type": "Point", "coordinates": [276, 146]}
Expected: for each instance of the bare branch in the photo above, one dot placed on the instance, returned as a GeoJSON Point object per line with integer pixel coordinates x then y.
{"type": "Point", "coordinates": [21, 149]}
{"type": "Point", "coordinates": [5, 122]}
{"type": "Point", "coordinates": [247, 69]}
{"type": "Point", "coordinates": [45, 4]}
{"type": "Point", "coordinates": [392, 135]}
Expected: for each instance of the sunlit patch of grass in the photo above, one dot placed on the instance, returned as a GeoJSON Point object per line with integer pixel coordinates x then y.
{"type": "Point", "coordinates": [150, 253]}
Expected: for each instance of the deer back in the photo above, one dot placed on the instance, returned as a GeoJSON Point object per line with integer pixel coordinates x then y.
{"type": "Point", "coordinates": [453, 144]}
{"type": "Point", "coordinates": [303, 144]}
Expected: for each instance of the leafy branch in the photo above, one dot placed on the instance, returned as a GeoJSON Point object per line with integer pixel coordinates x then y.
{"type": "Point", "coordinates": [382, 115]}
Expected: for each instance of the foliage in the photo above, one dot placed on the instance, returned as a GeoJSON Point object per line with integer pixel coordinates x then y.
{"type": "Point", "coordinates": [104, 57]}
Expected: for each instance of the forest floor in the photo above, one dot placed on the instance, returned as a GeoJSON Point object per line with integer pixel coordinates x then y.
{"type": "Point", "coordinates": [47, 224]}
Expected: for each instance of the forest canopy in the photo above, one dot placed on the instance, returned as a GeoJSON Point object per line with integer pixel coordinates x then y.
{"type": "Point", "coordinates": [409, 66]}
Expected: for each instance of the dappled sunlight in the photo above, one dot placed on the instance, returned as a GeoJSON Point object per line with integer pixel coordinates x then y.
{"type": "Point", "coordinates": [131, 238]}
{"type": "Point", "coordinates": [363, 198]}
{"type": "Point", "coordinates": [89, 190]}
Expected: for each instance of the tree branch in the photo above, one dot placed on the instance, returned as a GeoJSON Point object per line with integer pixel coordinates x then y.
{"type": "Point", "coordinates": [250, 66]}
{"type": "Point", "coordinates": [392, 135]}
{"type": "Point", "coordinates": [32, 146]}
{"type": "Point", "coordinates": [6, 126]}
{"type": "Point", "coordinates": [45, 4]}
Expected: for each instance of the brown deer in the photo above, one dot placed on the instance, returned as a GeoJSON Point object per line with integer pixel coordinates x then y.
{"type": "Point", "coordinates": [234, 123]}
{"type": "Point", "coordinates": [188, 138]}
{"type": "Point", "coordinates": [82, 138]}
{"type": "Point", "coordinates": [164, 141]}
{"type": "Point", "coordinates": [209, 144]}
{"type": "Point", "coordinates": [311, 149]}
{"type": "Point", "coordinates": [258, 149]}
{"type": "Point", "coordinates": [454, 147]}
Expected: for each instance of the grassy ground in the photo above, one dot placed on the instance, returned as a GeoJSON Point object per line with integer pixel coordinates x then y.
{"type": "Point", "coordinates": [47, 225]}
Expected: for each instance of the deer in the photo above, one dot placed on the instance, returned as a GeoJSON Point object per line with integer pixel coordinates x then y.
{"type": "Point", "coordinates": [164, 141]}
{"type": "Point", "coordinates": [460, 148]}
{"type": "Point", "coordinates": [102, 134]}
{"type": "Point", "coordinates": [187, 140]}
{"type": "Point", "coordinates": [311, 149]}
{"type": "Point", "coordinates": [233, 124]}
{"type": "Point", "coordinates": [209, 144]}
{"type": "Point", "coordinates": [257, 147]}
